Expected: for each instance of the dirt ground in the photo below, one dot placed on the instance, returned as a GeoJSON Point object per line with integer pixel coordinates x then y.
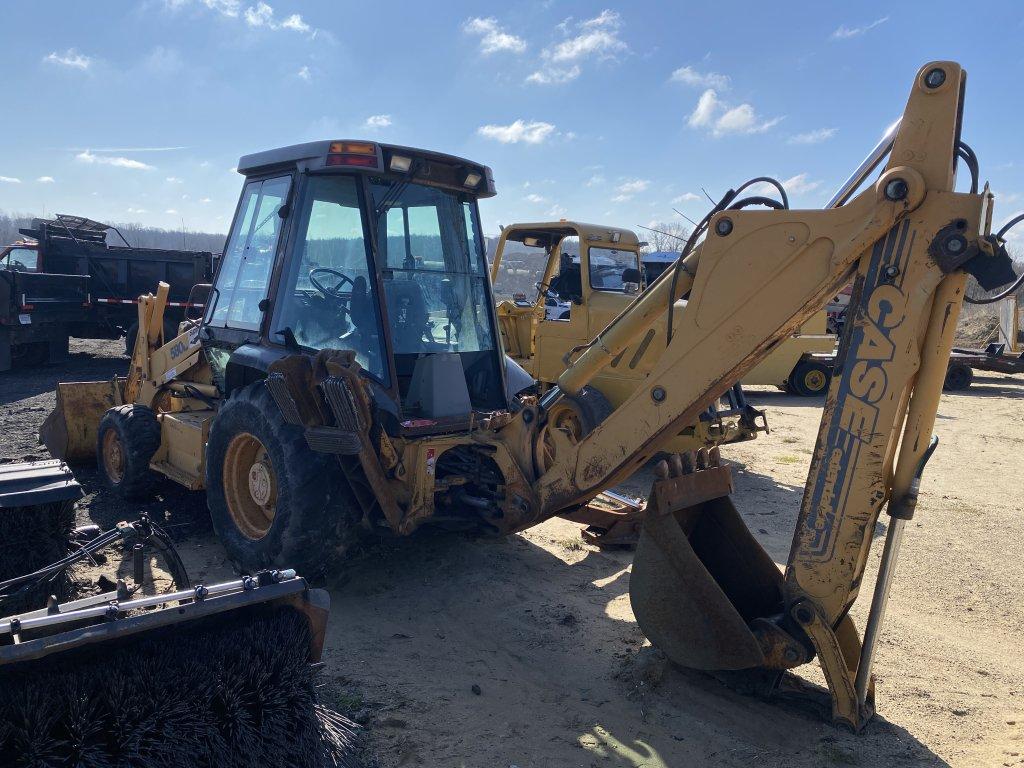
{"type": "Point", "coordinates": [523, 652]}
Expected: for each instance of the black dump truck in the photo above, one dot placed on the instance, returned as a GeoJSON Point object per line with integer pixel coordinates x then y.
{"type": "Point", "coordinates": [66, 280]}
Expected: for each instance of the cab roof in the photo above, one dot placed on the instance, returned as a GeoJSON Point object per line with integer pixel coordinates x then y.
{"type": "Point", "coordinates": [435, 168]}
{"type": "Point", "coordinates": [547, 232]}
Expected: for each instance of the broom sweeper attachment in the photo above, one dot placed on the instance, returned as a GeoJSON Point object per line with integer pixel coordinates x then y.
{"type": "Point", "coordinates": [205, 675]}
{"type": "Point", "coordinates": [37, 515]}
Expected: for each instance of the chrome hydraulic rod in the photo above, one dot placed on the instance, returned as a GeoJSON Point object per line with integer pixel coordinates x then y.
{"type": "Point", "coordinates": [916, 448]}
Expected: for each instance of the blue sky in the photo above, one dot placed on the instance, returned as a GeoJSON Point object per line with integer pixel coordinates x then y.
{"type": "Point", "coordinates": [138, 111]}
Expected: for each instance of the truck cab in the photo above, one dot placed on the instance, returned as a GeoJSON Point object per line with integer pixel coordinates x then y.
{"type": "Point", "coordinates": [595, 272]}
{"type": "Point", "coordinates": [38, 310]}
{"type": "Point", "coordinates": [22, 256]}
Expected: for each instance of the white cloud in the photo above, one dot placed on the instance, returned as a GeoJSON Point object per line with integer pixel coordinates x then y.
{"type": "Point", "coordinates": [171, 212]}
{"type": "Point", "coordinates": [800, 184]}
{"type": "Point", "coordinates": [686, 197]}
{"type": "Point", "coordinates": [374, 122]}
{"type": "Point", "coordinates": [844, 32]}
{"type": "Point", "coordinates": [295, 23]}
{"type": "Point", "coordinates": [228, 8]}
{"type": "Point", "coordinates": [205, 200]}
{"type": "Point", "coordinates": [124, 149]}
{"type": "Point", "coordinates": [556, 211]}
{"type": "Point", "coordinates": [493, 38]}
{"type": "Point", "coordinates": [596, 180]}
{"type": "Point", "coordinates": [704, 112]}
{"type": "Point", "coordinates": [554, 75]}
{"type": "Point", "coordinates": [304, 73]}
{"type": "Point", "coordinates": [258, 15]}
{"type": "Point", "coordinates": [690, 76]}
{"type": "Point", "coordinates": [9, 180]}
{"type": "Point", "coordinates": [175, 180]}
{"type": "Point", "coordinates": [630, 188]}
{"type": "Point", "coordinates": [70, 58]}
{"type": "Point", "coordinates": [535, 198]}
{"type": "Point", "coordinates": [794, 185]}
{"type": "Point", "coordinates": [533, 132]}
{"type": "Point", "coordinates": [813, 137]}
{"type": "Point", "coordinates": [712, 112]}
{"type": "Point", "coordinates": [596, 38]}
{"type": "Point", "coordinates": [137, 210]}
{"type": "Point", "coordinates": [89, 157]}
{"type": "Point", "coordinates": [45, 179]}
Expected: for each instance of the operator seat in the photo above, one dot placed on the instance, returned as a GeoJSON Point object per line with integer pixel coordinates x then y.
{"type": "Point", "coordinates": [407, 315]}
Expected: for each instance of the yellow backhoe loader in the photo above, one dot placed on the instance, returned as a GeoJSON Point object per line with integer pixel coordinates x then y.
{"type": "Point", "coordinates": [583, 285]}
{"type": "Point", "coordinates": [348, 371]}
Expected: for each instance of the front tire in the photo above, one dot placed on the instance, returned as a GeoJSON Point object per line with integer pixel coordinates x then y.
{"type": "Point", "coordinates": [273, 500]}
{"type": "Point", "coordinates": [127, 438]}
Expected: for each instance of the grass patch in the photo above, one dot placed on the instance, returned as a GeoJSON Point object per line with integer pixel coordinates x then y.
{"type": "Point", "coordinates": [787, 459]}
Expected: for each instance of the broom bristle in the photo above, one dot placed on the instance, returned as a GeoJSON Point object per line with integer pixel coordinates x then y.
{"type": "Point", "coordinates": [234, 692]}
{"type": "Point", "coordinates": [32, 537]}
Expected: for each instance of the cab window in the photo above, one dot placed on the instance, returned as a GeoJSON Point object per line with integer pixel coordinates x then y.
{"type": "Point", "coordinates": [23, 259]}
{"type": "Point", "coordinates": [329, 291]}
{"type": "Point", "coordinates": [608, 269]}
{"type": "Point", "coordinates": [249, 255]}
{"type": "Point", "coordinates": [435, 277]}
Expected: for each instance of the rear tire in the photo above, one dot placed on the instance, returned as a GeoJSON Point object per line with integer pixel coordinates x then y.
{"type": "Point", "coordinates": [128, 437]}
{"type": "Point", "coordinates": [30, 354]}
{"type": "Point", "coordinates": [958, 377]}
{"type": "Point", "coordinates": [273, 500]}
{"type": "Point", "coordinates": [810, 378]}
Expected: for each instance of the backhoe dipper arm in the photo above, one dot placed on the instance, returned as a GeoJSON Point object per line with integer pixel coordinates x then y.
{"type": "Point", "coordinates": [757, 277]}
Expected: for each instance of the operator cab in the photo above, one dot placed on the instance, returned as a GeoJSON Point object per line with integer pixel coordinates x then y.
{"type": "Point", "coordinates": [367, 247]}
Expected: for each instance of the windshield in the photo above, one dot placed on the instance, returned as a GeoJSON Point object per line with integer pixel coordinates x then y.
{"type": "Point", "coordinates": [245, 267]}
{"type": "Point", "coordinates": [433, 269]}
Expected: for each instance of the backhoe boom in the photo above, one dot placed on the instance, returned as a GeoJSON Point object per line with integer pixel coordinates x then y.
{"type": "Point", "coordinates": [905, 240]}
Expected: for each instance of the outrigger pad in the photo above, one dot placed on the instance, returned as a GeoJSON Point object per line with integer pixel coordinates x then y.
{"type": "Point", "coordinates": [699, 578]}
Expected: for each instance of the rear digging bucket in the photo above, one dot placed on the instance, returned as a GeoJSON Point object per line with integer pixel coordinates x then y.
{"type": "Point", "coordinates": [699, 578]}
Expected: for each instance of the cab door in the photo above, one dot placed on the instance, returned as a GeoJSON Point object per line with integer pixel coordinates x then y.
{"type": "Point", "coordinates": [605, 296]}
{"type": "Point", "coordinates": [555, 337]}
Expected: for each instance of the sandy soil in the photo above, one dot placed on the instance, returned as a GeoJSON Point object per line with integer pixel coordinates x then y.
{"type": "Point", "coordinates": [523, 651]}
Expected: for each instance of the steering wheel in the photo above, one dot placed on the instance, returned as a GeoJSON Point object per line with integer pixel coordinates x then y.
{"type": "Point", "coordinates": [335, 292]}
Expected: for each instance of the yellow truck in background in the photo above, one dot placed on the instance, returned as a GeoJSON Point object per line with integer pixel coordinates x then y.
{"type": "Point", "coordinates": [595, 271]}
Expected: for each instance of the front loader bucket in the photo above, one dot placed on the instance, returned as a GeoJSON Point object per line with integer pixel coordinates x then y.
{"type": "Point", "coordinates": [699, 578]}
{"type": "Point", "coordinates": [224, 675]}
{"type": "Point", "coordinates": [70, 431]}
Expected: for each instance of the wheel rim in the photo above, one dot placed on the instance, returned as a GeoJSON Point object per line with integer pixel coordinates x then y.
{"type": "Point", "coordinates": [113, 456]}
{"type": "Point", "coordinates": [564, 418]}
{"type": "Point", "coordinates": [815, 381]}
{"type": "Point", "coordinates": [250, 486]}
